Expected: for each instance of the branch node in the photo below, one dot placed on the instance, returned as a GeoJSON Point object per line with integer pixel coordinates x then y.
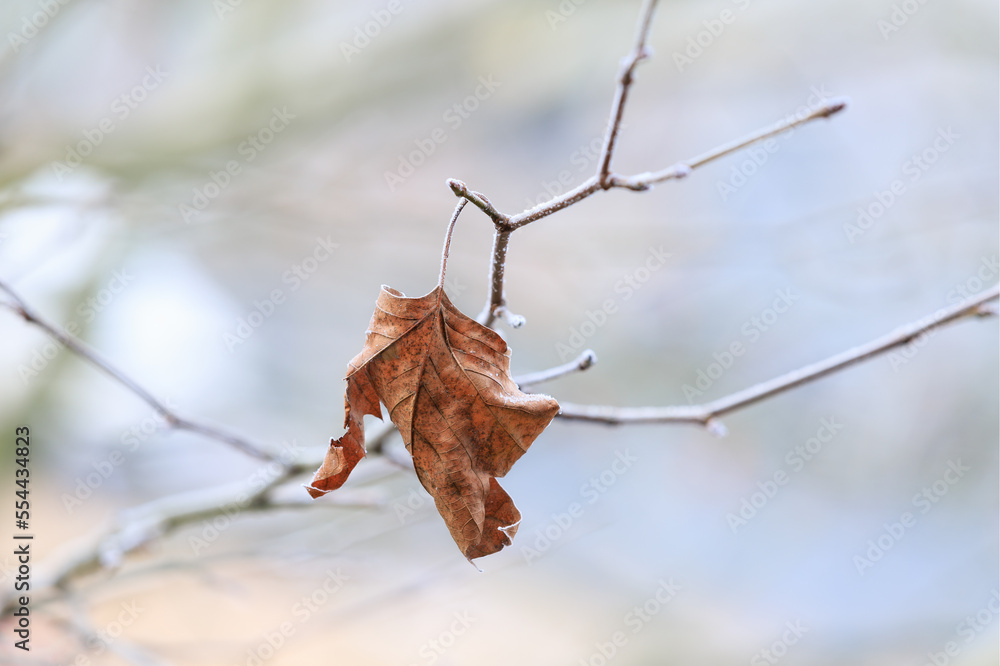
{"type": "Point", "coordinates": [717, 428]}
{"type": "Point", "coordinates": [987, 310]}
{"type": "Point", "coordinates": [479, 200]}
{"type": "Point", "coordinates": [509, 318]}
{"type": "Point", "coordinates": [833, 106]}
{"type": "Point", "coordinates": [586, 359]}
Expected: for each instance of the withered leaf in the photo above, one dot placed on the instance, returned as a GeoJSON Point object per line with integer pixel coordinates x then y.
{"type": "Point", "coordinates": [445, 380]}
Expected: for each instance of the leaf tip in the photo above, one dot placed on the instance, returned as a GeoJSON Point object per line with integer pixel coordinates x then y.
{"type": "Point", "coordinates": [313, 491]}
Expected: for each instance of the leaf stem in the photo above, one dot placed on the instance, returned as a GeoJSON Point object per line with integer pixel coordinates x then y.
{"type": "Point", "coordinates": [447, 240]}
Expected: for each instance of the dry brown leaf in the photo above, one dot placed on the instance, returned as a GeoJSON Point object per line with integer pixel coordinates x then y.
{"type": "Point", "coordinates": [445, 380]}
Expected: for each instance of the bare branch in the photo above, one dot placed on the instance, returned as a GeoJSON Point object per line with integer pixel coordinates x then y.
{"type": "Point", "coordinates": [155, 520]}
{"type": "Point", "coordinates": [585, 360]}
{"type": "Point", "coordinates": [987, 310]}
{"type": "Point", "coordinates": [21, 307]}
{"type": "Point", "coordinates": [501, 237]}
{"type": "Point", "coordinates": [706, 413]}
{"type": "Point", "coordinates": [638, 54]}
{"type": "Point", "coordinates": [478, 200]}
{"type": "Point", "coordinates": [139, 527]}
{"type": "Point", "coordinates": [576, 195]}
{"type": "Point", "coordinates": [644, 181]}
{"type": "Point", "coordinates": [143, 525]}
{"type": "Point", "coordinates": [605, 178]}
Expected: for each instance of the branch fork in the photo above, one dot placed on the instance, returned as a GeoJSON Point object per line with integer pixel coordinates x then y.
{"type": "Point", "coordinates": [606, 178]}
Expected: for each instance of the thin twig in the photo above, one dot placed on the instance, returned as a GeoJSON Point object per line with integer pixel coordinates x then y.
{"type": "Point", "coordinates": [644, 181]}
{"type": "Point", "coordinates": [585, 360]}
{"type": "Point", "coordinates": [478, 200]}
{"type": "Point", "coordinates": [447, 240]}
{"type": "Point", "coordinates": [605, 178]}
{"type": "Point", "coordinates": [706, 413]}
{"type": "Point", "coordinates": [638, 54]}
{"type": "Point", "coordinates": [26, 312]}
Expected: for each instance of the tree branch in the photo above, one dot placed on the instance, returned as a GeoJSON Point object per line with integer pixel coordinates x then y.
{"type": "Point", "coordinates": [496, 300]}
{"type": "Point", "coordinates": [140, 526]}
{"type": "Point", "coordinates": [154, 520]}
{"type": "Point", "coordinates": [151, 521]}
{"type": "Point", "coordinates": [638, 54]}
{"type": "Point", "coordinates": [707, 413]}
{"type": "Point", "coordinates": [605, 178]}
{"type": "Point", "coordinates": [582, 362]}
{"type": "Point", "coordinates": [174, 420]}
{"type": "Point", "coordinates": [644, 181]}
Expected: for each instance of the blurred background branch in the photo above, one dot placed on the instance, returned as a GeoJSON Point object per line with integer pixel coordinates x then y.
{"type": "Point", "coordinates": [20, 307]}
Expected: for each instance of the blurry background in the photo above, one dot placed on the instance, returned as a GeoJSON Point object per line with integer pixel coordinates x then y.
{"type": "Point", "coordinates": [166, 167]}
